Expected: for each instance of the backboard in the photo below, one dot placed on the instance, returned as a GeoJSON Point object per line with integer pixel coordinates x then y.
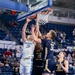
{"type": "Point", "coordinates": [34, 8]}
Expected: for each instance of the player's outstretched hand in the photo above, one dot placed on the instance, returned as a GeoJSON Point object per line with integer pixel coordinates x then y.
{"type": "Point", "coordinates": [28, 20]}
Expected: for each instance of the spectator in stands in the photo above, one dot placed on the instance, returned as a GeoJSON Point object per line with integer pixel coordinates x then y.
{"type": "Point", "coordinates": [10, 59]}
{"type": "Point", "coordinates": [15, 50]}
{"type": "Point", "coordinates": [69, 51]}
{"type": "Point", "coordinates": [7, 64]}
{"type": "Point", "coordinates": [8, 52]}
{"type": "Point", "coordinates": [15, 63]}
{"type": "Point", "coordinates": [74, 33]}
{"type": "Point", "coordinates": [16, 71]}
{"type": "Point", "coordinates": [63, 36]}
{"type": "Point", "coordinates": [13, 54]}
{"type": "Point", "coordinates": [74, 42]}
{"type": "Point", "coordinates": [58, 35]}
{"type": "Point", "coordinates": [18, 54]}
{"type": "Point", "coordinates": [7, 38]}
{"type": "Point", "coordinates": [73, 68]}
{"type": "Point", "coordinates": [1, 64]}
{"type": "Point", "coordinates": [20, 48]}
{"type": "Point", "coordinates": [73, 56]}
{"type": "Point", "coordinates": [13, 23]}
{"type": "Point", "coordinates": [69, 58]}
{"type": "Point", "coordinates": [3, 59]}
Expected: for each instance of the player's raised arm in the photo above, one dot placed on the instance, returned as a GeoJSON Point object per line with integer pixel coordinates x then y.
{"type": "Point", "coordinates": [24, 29]}
{"type": "Point", "coordinates": [34, 36]}
{"type": "Point", "coordinates": [37, 29]}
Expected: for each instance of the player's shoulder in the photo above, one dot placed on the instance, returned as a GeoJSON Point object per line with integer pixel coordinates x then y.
{"type": "Point", "coordinates": [65, 61]}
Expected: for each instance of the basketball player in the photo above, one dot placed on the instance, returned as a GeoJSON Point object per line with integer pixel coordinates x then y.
{"type": "Point", "coordinates": [49, 63]}
{"type": "Point", "coordinates": [27, 53]}
{"type": "Point", "coordinates": [37, 61]}
{"type": "Point", "coordinates": [62, 64]}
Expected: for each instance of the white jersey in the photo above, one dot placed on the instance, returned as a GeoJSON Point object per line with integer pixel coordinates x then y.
{"type": "Point", "coordinates": [28, 49]}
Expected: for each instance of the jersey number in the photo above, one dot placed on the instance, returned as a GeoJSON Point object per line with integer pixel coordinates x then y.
{"type": "Point", "coordinates": [27, 46]}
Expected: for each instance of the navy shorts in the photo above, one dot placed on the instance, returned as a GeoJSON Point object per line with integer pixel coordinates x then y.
{"type": "Point", "coordinates": [49, 66]}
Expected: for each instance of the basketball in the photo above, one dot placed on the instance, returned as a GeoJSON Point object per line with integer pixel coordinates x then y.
{"type": "Point", "coordinates": [34, 16]}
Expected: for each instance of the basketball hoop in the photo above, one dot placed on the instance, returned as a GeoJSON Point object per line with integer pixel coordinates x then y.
{"type": "Point", "coordinates": [43, 17]}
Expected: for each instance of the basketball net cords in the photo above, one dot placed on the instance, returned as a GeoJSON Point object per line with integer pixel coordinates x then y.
{"type": "Point", "coordinates": [43, 18]}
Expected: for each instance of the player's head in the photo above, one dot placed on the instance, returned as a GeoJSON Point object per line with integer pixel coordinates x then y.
{"type": "Point", "coordinates": [29, 37]}
{"type": "Point", "coordinates": [51, 34]}
{"type": "Point", "coordinates": [38, 47]}
{"type": "Point", "coordinates": [61, 54]}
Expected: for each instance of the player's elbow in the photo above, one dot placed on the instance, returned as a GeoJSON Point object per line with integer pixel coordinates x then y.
{"type": "Point", "coordinates": [66, 71]}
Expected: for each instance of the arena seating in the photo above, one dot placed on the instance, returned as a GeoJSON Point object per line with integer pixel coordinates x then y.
{"type": "Point", "coordinates": [2, 34]}
{"type": "Point", "coordinates": [68, 29]}
{"type": "Point", "coordinates": [65, 28]}
{"type": "Point", "coordinates": [6, 70]}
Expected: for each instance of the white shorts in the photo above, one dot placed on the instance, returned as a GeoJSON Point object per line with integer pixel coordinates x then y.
{"type": "Point", "coordinates": [26, 66]}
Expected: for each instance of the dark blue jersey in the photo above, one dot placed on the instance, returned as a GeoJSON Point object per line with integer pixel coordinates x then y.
{"type": "Point", "coordinates": [47, 49]}
{"type": "Point", "coordinates": [59, 70]}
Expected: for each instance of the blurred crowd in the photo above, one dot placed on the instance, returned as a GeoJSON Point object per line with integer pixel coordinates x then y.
{"type": "Point", "coordinates": [11, 59]}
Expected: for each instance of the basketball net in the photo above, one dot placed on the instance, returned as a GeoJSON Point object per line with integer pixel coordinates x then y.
{"type": "Point", "coordinates": [43, 17]}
